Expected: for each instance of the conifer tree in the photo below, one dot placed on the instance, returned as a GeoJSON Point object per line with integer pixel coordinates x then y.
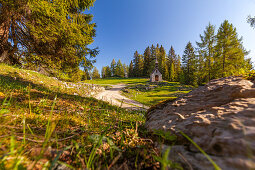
{"type": "Point", "coordinates": [103, 72]}
{"type": "Point", "coordinates": [126, 69]}
{"type": "Point", "coordinates": [95, 74]}
{"type": "Point", "coordinates": [119, 69]}
{"type": "Point", "coordinates": [172, 60]}
{"type": "Point", "coordinates": [229, 59]}
{"type": "Point", "coordinates": [162, 61]}
{"type": "Point", "coordinates": [113, 68]}
{"type": "Point", "coordinates": [131, 69]}
{"type": "Point", "coordinates": [206, 50]}
{"type": "Point", "coordinates": [47, 33]}
{"type": "Point", "coordinates": [108, 72]}
{"type": "Point", "coordinates": [152, 59]}
{"type": "Point", "coordinates": [172, 72]}
{"type": "Point", "coordinates": [138, 65]}
{"type": "Point", "coordinates": [85, 75]}
{"type": "Point", "coordinates": [178, 69]}
{"type": "Point", "coordinates": [147, 62]}
{"type": "Point", "coordinates": [189, 65]}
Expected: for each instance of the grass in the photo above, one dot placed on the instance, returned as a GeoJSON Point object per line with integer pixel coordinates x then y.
{"type": "Point", "coordinates": [152, 94]}
{"type": "Point", "coordinates": [135, 89]}
{"type": "Point", "coordinates": [117, 80]}
{"type": "Point", "coordinates": [43, 125]}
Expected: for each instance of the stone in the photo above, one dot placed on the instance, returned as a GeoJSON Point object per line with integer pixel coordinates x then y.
{"type": "Point", "coordinates": [219, 117]}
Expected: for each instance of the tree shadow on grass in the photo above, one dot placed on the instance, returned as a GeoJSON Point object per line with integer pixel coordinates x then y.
{"type": "Point", "coordinates": [38, 91]}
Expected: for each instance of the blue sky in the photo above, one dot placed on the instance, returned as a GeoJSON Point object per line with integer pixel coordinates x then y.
{"type": "Point", "coordinates": [124, 26]}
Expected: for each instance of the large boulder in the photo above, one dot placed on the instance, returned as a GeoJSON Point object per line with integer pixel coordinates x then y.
{"type": "Point", "coordinates": [219, 117]}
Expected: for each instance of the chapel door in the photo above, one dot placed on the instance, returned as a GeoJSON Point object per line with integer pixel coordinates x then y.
{"type": "Point", "coordinates": [156, 78]}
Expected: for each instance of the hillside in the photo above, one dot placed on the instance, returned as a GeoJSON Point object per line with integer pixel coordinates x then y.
{"type": "Point", "coordinates": [49, 123]}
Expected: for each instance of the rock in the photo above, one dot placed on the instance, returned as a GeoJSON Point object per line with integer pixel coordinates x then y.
{"type": "Point", "coordinates": [219, 117]}
{"type": "Point", "coordinates": [125, 90]}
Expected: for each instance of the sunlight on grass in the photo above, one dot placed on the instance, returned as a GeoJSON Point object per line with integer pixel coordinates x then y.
{"type": "Point", "coordinates": [115, 81]}
{"type": "Point", "coordinates": [152, 93]}
{"type": "Point", "coordinates": [31, 114]}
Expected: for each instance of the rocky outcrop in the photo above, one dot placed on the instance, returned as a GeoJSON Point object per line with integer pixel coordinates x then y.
{"type": "Point", "coordinates": [219, 117]}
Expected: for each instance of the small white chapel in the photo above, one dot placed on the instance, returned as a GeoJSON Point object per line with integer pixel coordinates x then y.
{"type": "Point", "coordinates": [156, 76]}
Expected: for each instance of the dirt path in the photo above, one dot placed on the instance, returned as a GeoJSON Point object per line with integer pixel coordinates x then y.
{"type": "Point", "coordinates": [114, 97]}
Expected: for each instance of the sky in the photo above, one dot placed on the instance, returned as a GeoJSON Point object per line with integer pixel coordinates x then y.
{"type": "Point", "coordinates": [124, 26]}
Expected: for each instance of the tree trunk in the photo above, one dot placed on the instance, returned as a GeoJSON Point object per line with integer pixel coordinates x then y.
{"type": "Point", "coordinates": [4, 34]}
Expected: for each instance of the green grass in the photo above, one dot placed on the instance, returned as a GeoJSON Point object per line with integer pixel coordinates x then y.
{"type": "Point", "coordinates": [37, 111]}
{"type": "Point", "coordinates": [43, 124]}
{"type": "Point", "coordinates": [165, 91]}
{"type": "Point", "coordinates": [117, 80]}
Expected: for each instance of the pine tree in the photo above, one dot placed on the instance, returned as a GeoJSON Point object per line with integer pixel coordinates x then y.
{"type": "Point", "coordinates": [120, 70]}
{"type": "Point", "coordinates": [206, 52]}
{"type": "Point", "coordinates": [172, 72]}
{"type": "Point", "coordinates": [95, 74]}
{"type": "Point", "coordinates": [152, 59]}
{"type": "Point", "coordinates": [230, 52]}
{"type": "Point", "coordinates": [178, 69]}
{"type": "Point", "coordinates": [147, 62]}
{"type": "Point", "coordinates": [85, 75]}
{"type": "Point", "coordinates": [189, 66]}
{"type": "Point", "coordinates": [108, 72]}
{"type": "Point", "coordinates": [103, 72]}
{"type": "Point", "coordinates": [172, 60]}
{"type": "Point", "coordinates": [138, 65]}
{"type": "Point", "coordinates": [113, 68]}
{"type": "Point", "coordinates": [126, 69]}
{"type": "Point", "coordinates": [131, 69]}
{"type": "Point", "coordinates": [43, 35]}
{"type": "Point", "coordinates": [162, 61]}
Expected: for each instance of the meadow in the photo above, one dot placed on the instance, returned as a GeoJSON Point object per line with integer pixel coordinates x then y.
{"type": "Point", "coordinates": [141, 90]}
{"type": "Point", "coordinates": [152, 93]}
{"type": "Point", "coordinates": [43, 125]}
{"type": "Point", "coordinates": [118, 80]}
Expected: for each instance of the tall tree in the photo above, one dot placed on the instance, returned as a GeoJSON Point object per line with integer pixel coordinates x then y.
{"type": "Point", "coordinates": [113, 67]}
{"type": "Point", "coordinates": [47, 33]}
{"type": "Point", "coordinates": [189, 65]}
{"type": "Point", "coordinates": [108, 72]}
{"type": "Point", "coordinates": [13, 32]}
{"type": "Point", "coordinates": [95, 73]}
{"type": "Point", "coordinates": [172, 60]}
{"type": "Point", "coordinates": [178, 69]}
{"type": "Point", "coordinates": [119, 69]}
{"type": "Point", "coordinates": [138, 64]}
{"type": "Point", "coordinates": [126, 69]}
{"type": "Point", "coordinates": [206, 51]}
{"type": "Point", "coordinates": [131, 69]}
{"type": "Point", "coordinates": [152, 59]}
{"type": "Point", "coordinates": [162, 60]}
{"type": "Point", "coordinates": [103, 72]}
{"type": "Point", "coordinates": [230, 52]}
{"type": "Point", "coordinates": [147, 62]}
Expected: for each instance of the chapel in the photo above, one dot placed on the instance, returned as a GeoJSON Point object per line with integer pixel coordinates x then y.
{"type": "Point", "coordinates": [156, 76]}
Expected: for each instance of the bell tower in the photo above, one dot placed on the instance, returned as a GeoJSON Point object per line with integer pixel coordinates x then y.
{"type": "Point", "coordinates": [156, 63]}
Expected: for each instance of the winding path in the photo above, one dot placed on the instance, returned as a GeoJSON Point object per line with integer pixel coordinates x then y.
{"type": "Point", "coordinates": [114, 97]}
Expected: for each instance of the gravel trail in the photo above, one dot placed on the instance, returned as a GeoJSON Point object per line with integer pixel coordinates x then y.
{"type": "Point", "coordinates": [113, 96]}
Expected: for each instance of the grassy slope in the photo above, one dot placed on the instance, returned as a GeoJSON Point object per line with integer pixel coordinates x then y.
{"type": "Point", "coordinates": [97, 134]}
